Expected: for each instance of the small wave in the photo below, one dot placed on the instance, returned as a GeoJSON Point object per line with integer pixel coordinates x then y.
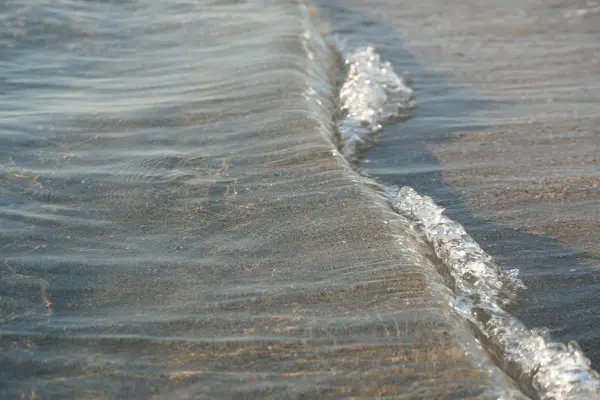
{"type": "Point", "coordinates": [476, 276]}
{"type": "Point", "coordinates": [482, 288]}
{"type": "Point", "coordinates": [371, 95]}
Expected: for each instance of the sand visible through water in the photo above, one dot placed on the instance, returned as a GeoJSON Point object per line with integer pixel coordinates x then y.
{"type": "Point", "coordinates": [176, 218]}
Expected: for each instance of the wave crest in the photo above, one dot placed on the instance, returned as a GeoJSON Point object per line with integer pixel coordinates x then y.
{"type": "Point", "coordinates": [371, 95]}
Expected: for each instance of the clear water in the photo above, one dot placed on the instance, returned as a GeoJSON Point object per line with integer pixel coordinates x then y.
{"type": "Point", "coordinates": [176, 220]}
{"type": "Point", "coordinates": [372, 94]}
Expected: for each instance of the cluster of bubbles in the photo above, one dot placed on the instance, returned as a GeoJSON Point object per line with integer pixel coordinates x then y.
{"type": "Point", "coordinates": [371, 95]}
{"type": "Point", "coordinates": [483, 290]}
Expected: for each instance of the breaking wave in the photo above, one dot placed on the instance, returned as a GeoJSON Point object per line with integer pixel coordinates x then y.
{"type": "Point", "coordinates": [371, 95]}
{"type": "Point", "coordinates": [482, 289]}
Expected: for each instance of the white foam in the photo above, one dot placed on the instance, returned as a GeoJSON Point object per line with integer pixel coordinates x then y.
{"type": "Point", "coordinates": [474, 272]}
{"type": "Point", "coordinates": [371, 95]}
{"type": "Point", "coordinates": [583, 12]}
{"type": "Point", "coordinates": [374, 94]}
{"type": "Point", "coordinates": [482, 288]}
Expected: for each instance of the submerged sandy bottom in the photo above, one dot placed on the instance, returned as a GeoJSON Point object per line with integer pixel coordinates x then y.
{"type": "Point", "coordinates": [177, 224]}
{"type": "Point", "coordinates": [506, 137]}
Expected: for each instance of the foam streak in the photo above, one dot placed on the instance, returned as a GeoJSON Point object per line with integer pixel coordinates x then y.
{"type": "Point", "coordinates": [371, 95]}
{"type": "Point", "coordinates": [553, 370]}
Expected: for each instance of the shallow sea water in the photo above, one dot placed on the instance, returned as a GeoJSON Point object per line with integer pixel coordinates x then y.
{"type": "Point", "coordinates": [506, 137]}
{"type": "Point", "coordinates": [176, 219]}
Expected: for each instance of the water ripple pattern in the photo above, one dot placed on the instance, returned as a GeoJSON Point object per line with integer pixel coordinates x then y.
{"type": "Point", "coordinates": [554, 370]}
{"type": "Point", "coordinates": [374, 94]}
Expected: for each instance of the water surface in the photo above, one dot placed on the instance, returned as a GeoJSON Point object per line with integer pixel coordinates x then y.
{"type": "Point", "coordinates": [176, 220]}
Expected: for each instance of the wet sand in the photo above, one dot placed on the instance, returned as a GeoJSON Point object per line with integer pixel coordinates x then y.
{"type": "Point", "coordinates": [506, 138]}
